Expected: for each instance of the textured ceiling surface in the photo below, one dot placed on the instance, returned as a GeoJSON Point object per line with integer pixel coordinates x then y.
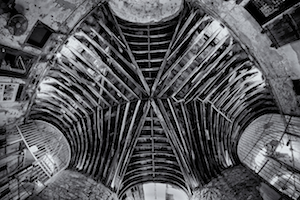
{"type": "Point", "coordinates": [146, 11]}
{"type": "Point", "coordinates": [163, 102]}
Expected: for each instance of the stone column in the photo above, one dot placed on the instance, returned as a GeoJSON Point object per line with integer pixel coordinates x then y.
{"type": "Point", "coordinates": [235, 183]}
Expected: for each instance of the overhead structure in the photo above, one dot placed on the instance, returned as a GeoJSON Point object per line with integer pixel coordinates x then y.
{"type": "Point", "coordinates": [161, 101]}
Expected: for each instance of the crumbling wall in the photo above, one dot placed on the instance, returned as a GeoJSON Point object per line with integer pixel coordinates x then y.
{"type": "Point", "coordinates": [74, 185]}
{"type": "Point", "coordinates": [235, 183]}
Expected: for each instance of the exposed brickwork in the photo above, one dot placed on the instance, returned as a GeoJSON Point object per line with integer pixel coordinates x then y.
{"type": "Point", "coordinates": [73, 185]}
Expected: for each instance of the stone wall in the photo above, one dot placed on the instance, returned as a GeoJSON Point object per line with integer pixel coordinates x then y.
{"type": "Point", "coordinates": [235, 183]}
{"type": "Point", "coordinates": [73, 185]}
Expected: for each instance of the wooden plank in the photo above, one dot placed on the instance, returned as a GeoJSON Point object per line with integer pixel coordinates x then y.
{"type": "Point", "coordinates": [195, 42]}
{"type": "Point", "coordinates": [202, 150]}
{"type": "Point", "coordinates": [106, 91]}
{"type": "Point", "coordinates": [110, 70]}
{"type": "Point", "coordinates": [126, 148]}
{"type": "Point", "coordinates": [205, 60]}
{"type": "Point", "coordinates": [63, 86]}
{"type": "Point", "coordinates": [146, 36]}
{"type": "Point", "coordinates": [247, 100]}
{"type": "Point", "coordinates": [108, 141]}
{"type": "Point", "coordinates": [123, 124]}
{"type": "Point", "coordinates": [163, 65]}
{"type": "Point", "coordinates": [240, 91]}
{"type": "Point", "coordinates": [70, 71]}
{"type": "Point", "coordinates": [220, 112]}
{"type": "Point", "coordinates": [152, 43]}
{"type": "Point", "coordinates": [211, 83]}
{"type": "Point", "coordinates": [115, 161]}
{"type": "Point", "coordinates": [150, 51]}
{"type": "Point", "coordinates": [218, 85]}
{"type": "Point", "coordinates": [212, 66]}
{"type": "Point", "coordinates": [188, 35]}
{"type": "Point", "coordinates": [134, 140]}
{"type": "Point", "coordinates": [118, 41]}
{"type": "Point", "coordinates": [138, 71]}
{"type": "Point", "coordinates": [143, 28]}
{"type": "Point", "coordinates": [179, 129]}
{"type": "Point", "coordinates": [233, 93]}
{"type": "Point", "coordinates": [189, 136]}
{"type": "Point", "coordinates": [100, 138]}
{"type": "Point", "coordinates": [111, 47]}
{"type": "Point", "coordinates": [207, 57]}
{"type": "Point", "coordinates": [109, 167]}
{"type": "Point", "coordinates": [66, 81]}
{"type": "Point", "coordinates": [184, 166]}
{"type": "Point", "coordinates": [184, 27]}
{"type": "Point", "coordinates": [152, 143]}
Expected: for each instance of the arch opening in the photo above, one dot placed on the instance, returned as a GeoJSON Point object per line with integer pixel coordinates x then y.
{"type": "Point", "coordinates": [155, 190]}
{"type": "Point", "coordinates": [270, 146]}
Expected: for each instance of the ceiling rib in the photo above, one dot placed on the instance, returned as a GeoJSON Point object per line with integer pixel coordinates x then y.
{"type": "Point", "coordinates": [204, 90]}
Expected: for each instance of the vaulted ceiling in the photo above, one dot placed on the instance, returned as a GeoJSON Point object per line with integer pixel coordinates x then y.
{"type": "Point", "coordinates": [157, 102]}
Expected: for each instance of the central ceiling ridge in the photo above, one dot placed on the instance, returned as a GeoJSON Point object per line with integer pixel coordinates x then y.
{"type": "Point", "coordinates": [130, 96]}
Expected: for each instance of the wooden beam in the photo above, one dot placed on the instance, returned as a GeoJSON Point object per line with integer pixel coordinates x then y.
{"type": "Point", "coordinates": [211, 66]}
{"type": "Point", "coordinates": [101, 23]}
{"type": "Point", "coordinates": [220, 57]}
{"type": "Point", "coordinates": [109, 167]}
{"type": "Point", "coordinates": [119, 67]}
{"type": "Point", "coordinates": [138, 70]}
{"type": "Point", "coordinates": [126, 147]}
{"type": "Point", "coordinates": [184, 166]}
{"type": "Point", "coordinates": [106, 91]}
{"type": "Point", "coordinates": [76, 76]}
{"type": "Point", "coordinates": [182, 134]}
{"type": "Point", "coordinates": [163, 65]}
{"type": "Point", "coordinates": [213, 81]}
{"type": "Point", "coordinates": [111, 47]}
{"type": "Point", "coordinates": [207, 57]}
{"type": "Point", "coordinates": [194, 42]}
{"type": "Point", "coordinates": [185, 25]}
{"type": "Point", "coordinates": [200, 127]}
{"type": "Point", "coordinates": [225, 79]}
{"type": "Point", "coordinates": [188, 35]}
{"type": "Point", "coordinates": [133, 142]}
{"type": "Point", "coordinates": [108, 142]}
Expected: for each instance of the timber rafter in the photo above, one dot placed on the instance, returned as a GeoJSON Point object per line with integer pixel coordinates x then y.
{"type": "Point", "coordinates": [162, 102]}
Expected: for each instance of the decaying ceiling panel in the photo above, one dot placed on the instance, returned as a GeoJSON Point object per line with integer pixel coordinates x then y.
{"type": "Point", "coordinates": [162, 102]}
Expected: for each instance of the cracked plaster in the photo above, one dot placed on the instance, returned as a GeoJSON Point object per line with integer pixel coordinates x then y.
{"type": "Point", "coordinates": [146, 11]}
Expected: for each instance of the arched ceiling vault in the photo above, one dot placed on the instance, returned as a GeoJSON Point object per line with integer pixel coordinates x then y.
{"type": "Point", "coordinates": [161, 102]}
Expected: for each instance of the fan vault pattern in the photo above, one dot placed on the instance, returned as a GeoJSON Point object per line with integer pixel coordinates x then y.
{"type": "Point", "coordinates": [163, 102]}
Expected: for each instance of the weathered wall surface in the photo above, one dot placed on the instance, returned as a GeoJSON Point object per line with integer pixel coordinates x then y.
{"type": "Point", "coordinates": [73, 185]}
{"type": "Point", "coordinates": [146, 11]}
{"type": "Point", "coordinates": [59, 15]}
{"type": "Point", "coordinates": [235, 184]}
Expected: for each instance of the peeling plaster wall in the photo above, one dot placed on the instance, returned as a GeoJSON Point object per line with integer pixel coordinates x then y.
{"type": "Point", "coordinates": [59, 15]}
{"type": "Point", "coordinates": [146, 11]}
{"type": "Point", "coordinates": [279, 65]}
{"type": "Point", "coordinates": [10, 112]}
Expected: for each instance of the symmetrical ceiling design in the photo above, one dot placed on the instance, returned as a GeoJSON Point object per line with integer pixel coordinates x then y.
{"type": "Point", "coordinates": [162, 102]}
